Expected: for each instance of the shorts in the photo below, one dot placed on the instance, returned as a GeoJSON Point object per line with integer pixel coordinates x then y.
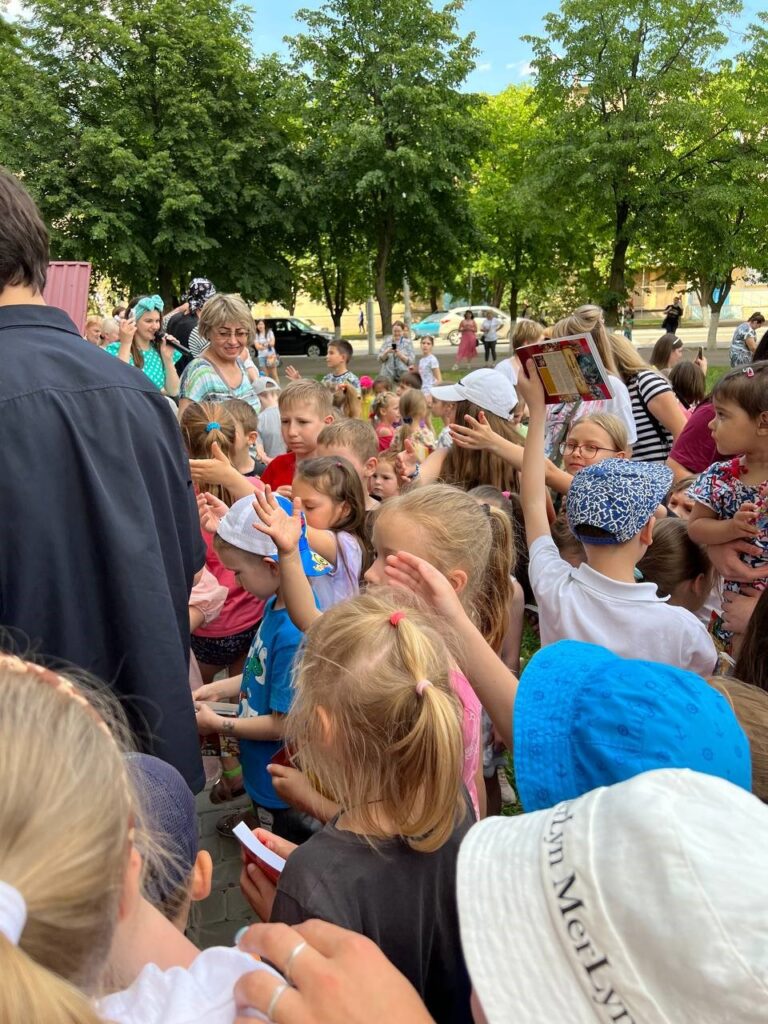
{"type": "Point", "coordinates": [223, 650]}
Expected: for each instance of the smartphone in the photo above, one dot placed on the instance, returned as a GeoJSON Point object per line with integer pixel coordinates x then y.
{"type": "Point", "coordinates": [257, 853]}
{"type": "Point", "coordinates": [701, 353]}
{"type": "Point", "coordinates": [394, 346]}
{"type": "Point", "coordinates": [222, 707]}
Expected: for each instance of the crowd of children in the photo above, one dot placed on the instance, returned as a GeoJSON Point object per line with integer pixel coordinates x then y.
{"type": "Point", "coordinates": [357, 640]}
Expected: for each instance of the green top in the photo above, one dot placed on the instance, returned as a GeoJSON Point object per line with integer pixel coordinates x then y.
{"type": "Point", "coordinates": [153, 364]}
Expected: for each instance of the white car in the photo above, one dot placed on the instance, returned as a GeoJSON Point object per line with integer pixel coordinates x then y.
{"type": "Point", "coordinates": [446, 323]}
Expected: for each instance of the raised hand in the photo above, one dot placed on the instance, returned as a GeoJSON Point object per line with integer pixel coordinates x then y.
{"type": "Point", "coordinates": [284, 529]}
{"type": "Point", "coordinates": [407, 461]}
{"type": "Point", "coordinates": [211, 511]}
{"type": "Point", "coordinates": [292, 373]}
{"type": "Point", "coordinates": [216, 470]}
{"type": "Point", "coordinates": [475, 433]}
{"type": "Point", "coordinates": [530, 388]}
{"type": "Point", "coordinates": [126, 332]}
{"type": "Point", "coordinates": [422, 578]}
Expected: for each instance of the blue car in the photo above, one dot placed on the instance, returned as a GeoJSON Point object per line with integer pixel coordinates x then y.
{"type": "Point", "coordinates": [430, 324]}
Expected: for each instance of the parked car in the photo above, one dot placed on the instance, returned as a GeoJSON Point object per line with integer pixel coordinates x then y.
{"type": "Point", "coordinates": [295, 337]}
{"type": "Point", "coordinates": [445, 323]}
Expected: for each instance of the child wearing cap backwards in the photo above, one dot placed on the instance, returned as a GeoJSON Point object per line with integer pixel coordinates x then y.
{"type": "Point", "coordinates": [732, 497]}
{"type": "Point", "coordinates": [265, 686]}
{"type": "Point", "coordinates": [610, 508]}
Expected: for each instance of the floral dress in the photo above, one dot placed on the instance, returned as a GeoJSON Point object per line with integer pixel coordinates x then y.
{"type": "Point", "coordinates": [721, 488]}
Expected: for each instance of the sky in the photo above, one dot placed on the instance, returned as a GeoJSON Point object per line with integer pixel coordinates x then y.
{"type": "Point", "coordinates": [498, 25]}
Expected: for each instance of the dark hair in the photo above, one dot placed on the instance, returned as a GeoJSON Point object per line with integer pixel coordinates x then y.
{"type": "Point", "coordinates": [747, 386]}
{"type": "Point", "coordinates": [756, 318]}
{"type": "Point", "coordinates": [469, 313]}
{"type": "Point", "coordinates": [337, 478]}
{"type": "Point", "coordinates": [689, 383]}
{"type": "Point", "coordinates": [411, 379]}
{"type": "Point", "coordinates": [674, 558]}
{"type": "Point", "coordinates": [23, 237]}
{"type": "Point", "coordinates": [118, 310]}
{"type": "Point", "coordinates": [662, 350]}
{"type": "Point", "coordinates": [752, 662]}
{"type": "Point", "coordinates": [342, 347]}
{"type": "Point", "coordinates": [761, 352]}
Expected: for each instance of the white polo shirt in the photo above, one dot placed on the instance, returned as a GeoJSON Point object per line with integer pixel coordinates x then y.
{"type": "Point", "coordinates": [629, 619]}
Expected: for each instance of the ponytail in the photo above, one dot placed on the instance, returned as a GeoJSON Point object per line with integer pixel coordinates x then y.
{"type": "Point", "coordinates": [495, 596]}
{"type": "Point", "coordinates": [203, 424]}
{"type": "Point", "coordinates": [396, 721]}
{"type": "Point", "coordinates": [33, 993]}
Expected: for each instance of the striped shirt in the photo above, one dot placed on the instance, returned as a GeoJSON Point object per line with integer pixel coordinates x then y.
{"type": "Point", "coordinates": [654, 441]}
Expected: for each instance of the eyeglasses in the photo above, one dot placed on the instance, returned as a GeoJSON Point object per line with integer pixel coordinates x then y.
{"type": "Point", "coordinates": [223, 334]}
{"type": "Point", "coordinates": [589, 451]}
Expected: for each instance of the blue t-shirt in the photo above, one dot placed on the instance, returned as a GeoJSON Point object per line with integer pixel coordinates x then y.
{"type": "Point", "coordinates": [267, 687]}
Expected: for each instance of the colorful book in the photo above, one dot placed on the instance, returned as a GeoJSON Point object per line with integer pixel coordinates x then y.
{"type": "Point", "coordinates": [570, 369]}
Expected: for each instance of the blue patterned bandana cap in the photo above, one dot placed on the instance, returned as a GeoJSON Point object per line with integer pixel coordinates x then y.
{"type": "Point", "coordinates": [618, 496]}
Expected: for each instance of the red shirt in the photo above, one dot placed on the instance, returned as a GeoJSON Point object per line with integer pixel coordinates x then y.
{"type": "Point", "coordinates": [695, 447]}
{"type": "Point", "coordinates": [279, 473]}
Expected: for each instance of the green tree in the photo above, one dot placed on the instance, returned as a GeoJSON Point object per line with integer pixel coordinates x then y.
{"type": "Point", "coordinates": [384, 76]}
{"type": "Point", "coordinates": [147, 136]}
{"type": "Point", "coordinates": [716, 221]}
{"type": "Point", "coordinates": [620, 85]}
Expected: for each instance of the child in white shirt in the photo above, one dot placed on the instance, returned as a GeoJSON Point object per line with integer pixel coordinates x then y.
{"type": "Point", "coordinates": [429, 368]}
{"type": "Point", "coordinates": [610, 508]}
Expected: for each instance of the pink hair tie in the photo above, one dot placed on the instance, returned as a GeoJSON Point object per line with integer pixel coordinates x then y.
{"type": "Point", "coordinates": [748, 371]}
{"type": "Point", "coordinates": [396, 617]}
{"type": "Point", "coordinates": [506, 494]}
{"type": "Point", "coordinates": [421, 686]}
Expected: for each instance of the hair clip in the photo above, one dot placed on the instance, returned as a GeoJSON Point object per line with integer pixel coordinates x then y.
{"type": "Point", "coordinates": [422, 685]}
{"type": "Point", "coordinates": [396, 617]}
{"type": "Point", "coordinates": [213, 425]}
{"type": "Point", "coordinates": [748, 371]}
{"type": "Point", "coordinates": [506, 494]}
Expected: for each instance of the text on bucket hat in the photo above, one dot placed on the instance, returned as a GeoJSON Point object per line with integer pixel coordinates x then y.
{"type": "Point", "coordinates": [486, 388]}
{"type": "Point", "coordinates": [618, 496]}
{"type": "Point", "coordinates": [584, 717]}
{"type": "Point", "coordinates": [639, 903]}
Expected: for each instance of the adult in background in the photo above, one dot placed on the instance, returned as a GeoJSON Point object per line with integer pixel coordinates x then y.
{"type": "Point", "coordinates": [744, 340]}
{"type": "Point", "coordinates": [183, 322]}
{"type": "Point", "coordinates": [490, 330]}
{"type": "Point", "coordinates": [101, 547]}
{"type": "Point", "coordinates": [396, 354]}
{"type": "Point", "coordinates": [92, 332]}
{"type": "Point", "coordinates": [110, 331]}
{"type": "Point", "coordinates": [467, 349]}
{"type": "Point", "coordinates": [137, 345]}
{"type": "Point", "coordinates": [225, 369]}
{"type": "Point", "coordinates": [673, 314]}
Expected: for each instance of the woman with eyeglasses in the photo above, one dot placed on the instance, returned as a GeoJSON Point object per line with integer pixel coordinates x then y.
{"type": "Point", "coordinates": [225, 369]}
{"type": "Point", "coordinates": [138, 345]}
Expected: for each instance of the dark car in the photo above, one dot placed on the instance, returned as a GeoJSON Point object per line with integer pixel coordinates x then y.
{"type": "Point", "coordinates": [294, 337]}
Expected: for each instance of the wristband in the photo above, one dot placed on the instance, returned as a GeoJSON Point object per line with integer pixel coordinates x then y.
{"type": "Point", "coordinates": [415, 473]}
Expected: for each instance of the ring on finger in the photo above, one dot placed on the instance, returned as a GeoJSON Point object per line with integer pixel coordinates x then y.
{"type": "Point", "coordinates": [276, 996]}
{"type": "Point", "coordinates": [294, 953]}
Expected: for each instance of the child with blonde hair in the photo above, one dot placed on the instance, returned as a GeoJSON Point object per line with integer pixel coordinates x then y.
{"type": "Point", "coordinates": [386, 412]}
{"type": "Point", "coordinates": [79, 944]}
{"type": "Point", "coordinates": [378, 726]}
{"type": "Point", "coordinates": [414, 427]}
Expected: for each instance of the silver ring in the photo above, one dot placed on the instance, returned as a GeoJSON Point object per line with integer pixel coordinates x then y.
{"type": "Point", "coordinates": [294, 953]}
{"type": "Point", "coordinates": [281, 988]}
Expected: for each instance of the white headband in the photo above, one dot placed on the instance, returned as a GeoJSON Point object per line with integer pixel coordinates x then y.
{"type": "Point", "coordinates": [13, 913]}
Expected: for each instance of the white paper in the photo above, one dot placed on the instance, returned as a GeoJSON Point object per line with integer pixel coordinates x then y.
{"type": "Point", "coordinates": [257, 848]}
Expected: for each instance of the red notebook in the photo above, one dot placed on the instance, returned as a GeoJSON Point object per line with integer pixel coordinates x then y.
{"type": "Point", "coordinates": [267, 860]}
{"type": "Point", "coordinates": [570, 369]}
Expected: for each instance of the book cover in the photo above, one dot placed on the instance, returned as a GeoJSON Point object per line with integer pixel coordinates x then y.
{"type": "Point", "coordinates": [570, 369]}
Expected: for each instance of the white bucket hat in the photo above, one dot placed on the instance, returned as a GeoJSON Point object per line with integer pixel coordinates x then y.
{"type": "Point", "coordinates": [485, 387]}
{"type": "Point", "coordinates": [641, 903]}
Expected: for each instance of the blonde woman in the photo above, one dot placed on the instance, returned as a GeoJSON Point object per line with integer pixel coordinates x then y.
{"type": "Point", "coordinates": [225, 368]}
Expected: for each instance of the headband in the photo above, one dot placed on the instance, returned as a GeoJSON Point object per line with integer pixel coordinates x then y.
{"type": "Point", "coordinates": [147, 304]}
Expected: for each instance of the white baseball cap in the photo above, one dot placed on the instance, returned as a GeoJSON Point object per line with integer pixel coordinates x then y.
{"type": "Point", "coordinates": [485, 387]}
{"type": "Point", "coordinates": [640, 903]}
{"type": "Point", "coordinates": [238, 529]}
{"type": "Point", "coordinates": [262, 384]}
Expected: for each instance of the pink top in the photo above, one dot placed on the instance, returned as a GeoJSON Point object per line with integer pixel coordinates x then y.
{"type": "Point", "coordinates": [208, 596]}
{"type": "Point", "coordinates": [241, 609]}
{"type": "Point", "coordinates": [470, 731]}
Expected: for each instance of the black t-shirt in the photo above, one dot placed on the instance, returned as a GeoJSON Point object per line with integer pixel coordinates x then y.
{"type": "Point", "coordinates": [403, 900]}
{"type": "Point", "coordinates": [180, 326]}
{"type": "Point", "coordinates": [101, 537]}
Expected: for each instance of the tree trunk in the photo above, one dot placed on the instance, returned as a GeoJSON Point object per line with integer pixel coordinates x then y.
{"type": "Point", "coordinates": [165, 285]}
{"type": "Point", "coordinates": [498, 292]}
{"type": "Point", "coordinates": [386, 235]}
{"type": "Point", "coordinates": [433, 306]}
{"type": "Point", "coordinates": [513, 300]}
{"type": "Point", "coordinates": [714, 321]}
{"type": "Point", "coordinates": [617, 281]}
